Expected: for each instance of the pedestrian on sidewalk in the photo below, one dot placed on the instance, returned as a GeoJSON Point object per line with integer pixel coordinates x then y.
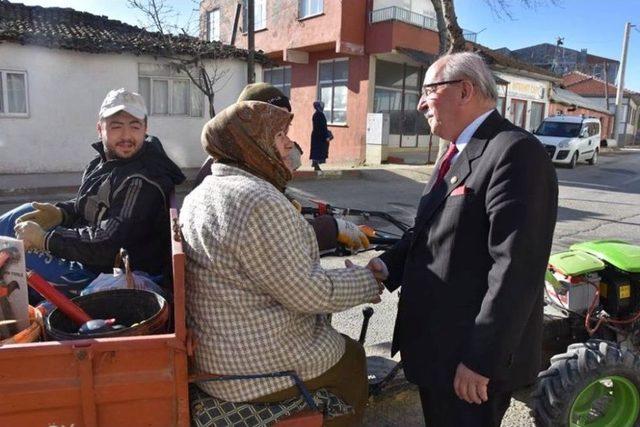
{"type": "Point", "coordinates": [320, 137]}
{"type": "Point", "coordinates": [122, 203]}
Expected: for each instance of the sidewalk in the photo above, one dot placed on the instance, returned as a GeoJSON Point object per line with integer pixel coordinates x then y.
{"type": "Point", "coordinates": [21, 187]}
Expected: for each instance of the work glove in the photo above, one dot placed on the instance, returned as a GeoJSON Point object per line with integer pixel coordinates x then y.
{"type": "Point", "coordinates": [31, 234]}
{"type": "Point", "coordinates": [45, 214]}
{"type": "Point", "coordinates": [351, 236]}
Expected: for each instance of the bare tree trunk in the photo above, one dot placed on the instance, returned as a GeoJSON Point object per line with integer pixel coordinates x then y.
{"type": "Point", "coordinates": [454, 32]}
{"type": "Point", "coordinates": [442, 27]}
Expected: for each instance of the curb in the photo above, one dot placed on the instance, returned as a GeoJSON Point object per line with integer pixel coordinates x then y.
{"type": "Point", "coordinates": [326, 174]}
{"type": "Point", "coordinates": [17, 194]}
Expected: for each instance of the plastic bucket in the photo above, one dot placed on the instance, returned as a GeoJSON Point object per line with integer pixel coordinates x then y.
{"type": "Point", "coordinates": [141, 312]}
{"type": "Point", "coordinates": [30, 334]}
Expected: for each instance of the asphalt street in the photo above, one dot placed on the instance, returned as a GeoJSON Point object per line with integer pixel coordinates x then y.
{"type": "Point", "coordinates": [595, 202]}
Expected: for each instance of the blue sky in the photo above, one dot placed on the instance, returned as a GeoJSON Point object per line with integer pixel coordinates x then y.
{"type": "Point", "coordinates": [595, 25]}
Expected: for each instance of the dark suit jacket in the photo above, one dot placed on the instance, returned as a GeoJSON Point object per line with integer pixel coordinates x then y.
{"type": "Point", "coordinates": [472, 268]}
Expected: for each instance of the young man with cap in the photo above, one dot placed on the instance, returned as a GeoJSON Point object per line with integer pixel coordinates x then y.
{"type": "Point", "coordinates": [329, 230]}
{"type": "Point", "coordinates": [122, 202]}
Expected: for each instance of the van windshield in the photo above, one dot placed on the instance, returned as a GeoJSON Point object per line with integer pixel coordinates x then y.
{"type": "Point", "coordinates": [560, 129]}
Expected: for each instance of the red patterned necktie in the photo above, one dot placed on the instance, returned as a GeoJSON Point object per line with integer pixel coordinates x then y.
{"type": "Point", "coordinates": [446, 161]}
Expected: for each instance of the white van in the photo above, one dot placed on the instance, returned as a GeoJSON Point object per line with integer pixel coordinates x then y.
{"type": "Point", "coordinates": [569, 139]}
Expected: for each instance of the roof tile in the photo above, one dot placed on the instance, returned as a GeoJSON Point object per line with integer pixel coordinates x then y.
{"type": "Point", "coordinates": [65, 28]}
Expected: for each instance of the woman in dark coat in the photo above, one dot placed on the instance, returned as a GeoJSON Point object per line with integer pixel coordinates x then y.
{"type": "Point", "coordinates": [320, 137]}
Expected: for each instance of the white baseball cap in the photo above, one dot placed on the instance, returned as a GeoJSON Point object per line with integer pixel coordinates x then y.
{"type": "Point", "coordinates": [122, 100]}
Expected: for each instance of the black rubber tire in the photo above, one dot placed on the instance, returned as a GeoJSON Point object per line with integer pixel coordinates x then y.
{"type": "Point", "coordinates": [574, 161]}
{"type": "Point", "coordinates": [594, 159]}
{"type": "Point", "coordinates": [558, 387]}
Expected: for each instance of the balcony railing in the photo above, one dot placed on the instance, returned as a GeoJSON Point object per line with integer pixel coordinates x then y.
{"type": "Point", "coordinates": [394, 13]}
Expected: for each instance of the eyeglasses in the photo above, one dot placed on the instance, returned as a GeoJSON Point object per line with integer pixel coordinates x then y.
{"type": "Point", "coordinates": [433, 87]}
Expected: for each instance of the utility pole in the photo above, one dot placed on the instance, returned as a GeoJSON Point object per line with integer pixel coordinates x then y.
{"type": "Point", "coordinates": [606, 92]}
{"type": "Point", "coordinates": [251, 75]}
{"type": "Point", "coordinates": [620, 92]}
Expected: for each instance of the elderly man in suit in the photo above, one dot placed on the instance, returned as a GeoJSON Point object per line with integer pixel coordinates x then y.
{"type": "Point", "coordinates": [469, 323]}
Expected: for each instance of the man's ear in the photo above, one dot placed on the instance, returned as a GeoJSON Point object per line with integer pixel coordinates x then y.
{"type": "Point", "coordinates": [468, 91]}
{"type": "Point", "coordinates": [99, 128]}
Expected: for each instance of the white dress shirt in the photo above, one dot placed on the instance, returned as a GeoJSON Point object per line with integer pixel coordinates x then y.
{"type": "Point", "coordinates": [467, 133]}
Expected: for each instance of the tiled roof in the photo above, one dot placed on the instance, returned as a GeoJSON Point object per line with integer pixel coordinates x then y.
{"type": "Point", "coordinates": [65, 28]}
{"type": "Point", "coordinates": [586, 85]}
{"type": "Point", "coordinates": [564, 96]}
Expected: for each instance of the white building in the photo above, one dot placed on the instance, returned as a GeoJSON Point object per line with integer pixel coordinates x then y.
{"type": "Point", "coordinates": [56, 66]}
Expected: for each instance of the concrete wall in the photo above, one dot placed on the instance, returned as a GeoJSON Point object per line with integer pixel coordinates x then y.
{"type": "Point", "coordinates": [65, 90]}
{"type": "Point", "coordinates": [385, 36]}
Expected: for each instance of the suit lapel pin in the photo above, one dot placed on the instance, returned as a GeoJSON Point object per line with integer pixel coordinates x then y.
{"type": "Point", "coordinates": [454, 179]}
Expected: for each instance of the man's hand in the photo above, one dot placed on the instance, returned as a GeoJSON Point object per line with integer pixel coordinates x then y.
{"type": "Point", "coordinates": [470, 386]}
{"type": "Point", "coordinates": [375, 299]}
{"type": "Point", "coordinates": [379, 269]}
{"type": "Point", "coordinates": [351, 236]}
{"type": "Point", "coordinates": [31, 234]}
{"type": "Point", "coordinates": [45, 214]}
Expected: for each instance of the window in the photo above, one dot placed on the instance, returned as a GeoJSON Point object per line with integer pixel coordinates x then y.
{"type": "Point", "coordinates": [518, 112]}
{"type": "Point", "coordinates": [332, 89]}
{"type": "Point", "coordinates": [280, 77]}
{"type": "Point", "coordinates": [559, 129]}
{"type": "Point", "coordinates": [214, 25]}
{"type": "Point", "coordinates": [168, 92]}
{"type": "Point", "coordinates": [537, 114]}
{"type": "Point", "coordinates": [259, 15]}
{"type": "Point", "coordinates": [309, 8]}
{"type": "Point", "coordinates": [13, 93]}
{"type": "Point", "coordinates": [395, 82]}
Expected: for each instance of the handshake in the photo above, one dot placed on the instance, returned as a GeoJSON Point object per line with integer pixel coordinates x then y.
{"type": "Point", "coordinates": [379, 271]}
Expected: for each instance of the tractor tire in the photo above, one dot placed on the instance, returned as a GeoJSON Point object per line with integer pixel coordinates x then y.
{"type": "Point", "coordinates": [593, 384]}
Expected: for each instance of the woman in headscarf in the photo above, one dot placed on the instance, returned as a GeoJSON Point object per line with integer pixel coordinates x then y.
{"type": "Point", "coordinates": [256, 292]}
{"type": "Point", "coordinates": [320, 136]}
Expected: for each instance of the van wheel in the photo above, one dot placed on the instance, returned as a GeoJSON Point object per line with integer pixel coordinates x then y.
{"type": "Point", "coordinates": [594, 159]}
{"type": "Point", "coordinates": [574, 160]}
{"type": "Point", "coordinates": [595, 383]}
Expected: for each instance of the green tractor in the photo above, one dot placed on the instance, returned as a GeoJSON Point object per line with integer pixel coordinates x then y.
{"type": "Point", "coordinates": [593, 307]}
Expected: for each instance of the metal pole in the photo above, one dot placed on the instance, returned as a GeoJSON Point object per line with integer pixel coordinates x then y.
{"type": "Point", "coordinates": [251, 77]}
{"type": "Point", "coordinates": [620, 92]}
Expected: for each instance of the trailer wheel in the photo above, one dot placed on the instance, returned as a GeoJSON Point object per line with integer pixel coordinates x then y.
{"type": "Point", "coordinates": [593, 384]}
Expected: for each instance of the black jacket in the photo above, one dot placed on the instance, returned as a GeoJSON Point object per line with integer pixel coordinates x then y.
{"type": "Point", "coordinates": [472, 268]}
{"type": "Point", "coordinates": [319, 136]}
{"type": "Point", "coordinates": [121, 203]}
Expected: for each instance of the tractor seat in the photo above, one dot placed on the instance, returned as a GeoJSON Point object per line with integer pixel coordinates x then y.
{"type": "Point", "coordinates": [208, 411]}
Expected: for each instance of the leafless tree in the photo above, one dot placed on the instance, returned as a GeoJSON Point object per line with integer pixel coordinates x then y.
{"type": "Point", "coordinates": [451, 35]}
{"type": "Point", "coordinates": [158, 14]}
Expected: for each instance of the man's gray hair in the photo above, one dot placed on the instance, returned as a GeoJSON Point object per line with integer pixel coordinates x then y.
{"type": "Point", "coordinates": [470, 66]}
